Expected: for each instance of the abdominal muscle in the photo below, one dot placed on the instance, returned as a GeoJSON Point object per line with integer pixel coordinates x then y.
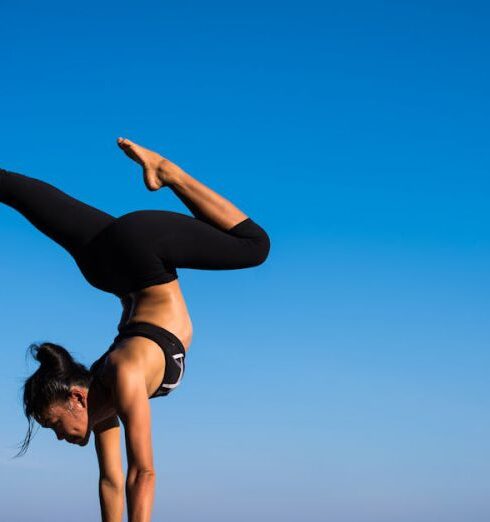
{"type": "Point", "coordinates": [164, 306]}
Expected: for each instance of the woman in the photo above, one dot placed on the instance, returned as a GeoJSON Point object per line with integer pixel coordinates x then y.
{"type": "Point", "coordinates": [134, 257]}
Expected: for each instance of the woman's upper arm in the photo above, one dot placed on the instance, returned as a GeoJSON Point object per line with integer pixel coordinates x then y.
{"type": "Point", "coordinates": [108, 448]}
{"type": "Point", "coordinates": [133, 407]}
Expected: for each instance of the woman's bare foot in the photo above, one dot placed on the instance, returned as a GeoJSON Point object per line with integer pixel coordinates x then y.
{"type": "Point", "coordinates": [157, 171]}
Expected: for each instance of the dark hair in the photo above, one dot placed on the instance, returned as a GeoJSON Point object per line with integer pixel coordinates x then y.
{"type": "Point", "coordinates": [50, 383]}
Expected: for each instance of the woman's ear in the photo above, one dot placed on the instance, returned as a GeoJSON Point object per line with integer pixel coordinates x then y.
{"type": "Point", "coordinates": [78, 397]}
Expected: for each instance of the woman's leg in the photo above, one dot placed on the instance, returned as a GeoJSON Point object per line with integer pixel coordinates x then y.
{"type": "Point", "coordinates": [222, 236]}
{"type": "Point", "coordinates": [150, 239]}
{"type": "Point", "coordinates": [67, 221]}
{"type": "Point", "coordinates": [201, 245]}
{"type": "Point", "coordinates": [203, 202]}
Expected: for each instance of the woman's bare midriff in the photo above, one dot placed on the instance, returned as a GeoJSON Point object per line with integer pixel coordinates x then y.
{"type": "Point", "coordinates": [164, 306]}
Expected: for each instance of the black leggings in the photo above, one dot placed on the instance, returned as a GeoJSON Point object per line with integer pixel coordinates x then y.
{"type": "Point", "coordinates": [138, 249]}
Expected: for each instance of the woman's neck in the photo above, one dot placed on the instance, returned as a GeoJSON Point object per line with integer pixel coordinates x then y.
{"type": "Point", "coordinates": [100, 404]}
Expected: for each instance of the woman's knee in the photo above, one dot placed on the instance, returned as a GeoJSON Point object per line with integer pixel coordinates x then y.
{"type": "Point", "coordinates": [261, 248]}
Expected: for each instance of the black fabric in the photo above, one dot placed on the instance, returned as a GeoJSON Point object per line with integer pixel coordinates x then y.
{"type": "Point", "coordinates": [67, 221]}
{"type": "Point", "coordinates": [168, 342]}
{"type": "Point", "coordinates": [137, 250]}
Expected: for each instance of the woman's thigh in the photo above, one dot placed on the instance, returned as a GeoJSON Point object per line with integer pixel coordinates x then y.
{"type": "Point", "coordinates": [183, 241]}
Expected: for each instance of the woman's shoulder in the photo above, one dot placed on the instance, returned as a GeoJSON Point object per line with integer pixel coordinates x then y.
{"type": "Point", "coordinates": [97, 364]}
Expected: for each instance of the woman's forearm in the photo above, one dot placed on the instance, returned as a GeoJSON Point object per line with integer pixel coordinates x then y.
{"type": "Point", "coordinates": [140, 491]}
{"type": "Point", "coordinates": [111, 501]}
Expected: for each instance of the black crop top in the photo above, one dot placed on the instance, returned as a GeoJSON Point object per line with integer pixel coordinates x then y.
{"type": "Point", "coordinates": [171, 346]}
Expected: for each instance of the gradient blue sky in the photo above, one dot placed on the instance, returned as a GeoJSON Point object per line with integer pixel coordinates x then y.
{"type": "Point", "coordinates": [347, 378]}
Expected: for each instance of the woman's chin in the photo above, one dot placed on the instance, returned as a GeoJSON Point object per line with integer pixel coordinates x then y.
{"type": "Point", "coordinates": [84, 442]}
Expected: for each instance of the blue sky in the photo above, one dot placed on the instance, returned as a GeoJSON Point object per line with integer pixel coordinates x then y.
{"type": "Point", "coordinates": [347, 378]}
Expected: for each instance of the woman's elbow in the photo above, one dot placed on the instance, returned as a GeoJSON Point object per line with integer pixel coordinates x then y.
{"type": "Point", "coordinates": [113, 483]}
{"type": "Point", "coordinates": [140, 474]}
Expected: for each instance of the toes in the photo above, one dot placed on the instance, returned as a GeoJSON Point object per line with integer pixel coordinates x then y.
{"type": "Point", "coordinates": [124, 142]}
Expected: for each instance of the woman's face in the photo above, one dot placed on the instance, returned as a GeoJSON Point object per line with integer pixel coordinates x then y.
{"type": "Point", "coordinates": [69, 420]}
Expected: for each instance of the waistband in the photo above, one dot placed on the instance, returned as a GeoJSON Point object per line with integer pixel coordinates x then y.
{"type": "Point", "coordinates": [153, 332]}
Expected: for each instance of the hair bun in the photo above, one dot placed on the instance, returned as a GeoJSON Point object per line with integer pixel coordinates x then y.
{"type": "Point", "coordinates": [51, 357]}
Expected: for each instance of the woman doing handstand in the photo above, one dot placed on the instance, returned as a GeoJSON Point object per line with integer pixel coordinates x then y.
{"type": "Point", "coordinates": [134, 257]}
